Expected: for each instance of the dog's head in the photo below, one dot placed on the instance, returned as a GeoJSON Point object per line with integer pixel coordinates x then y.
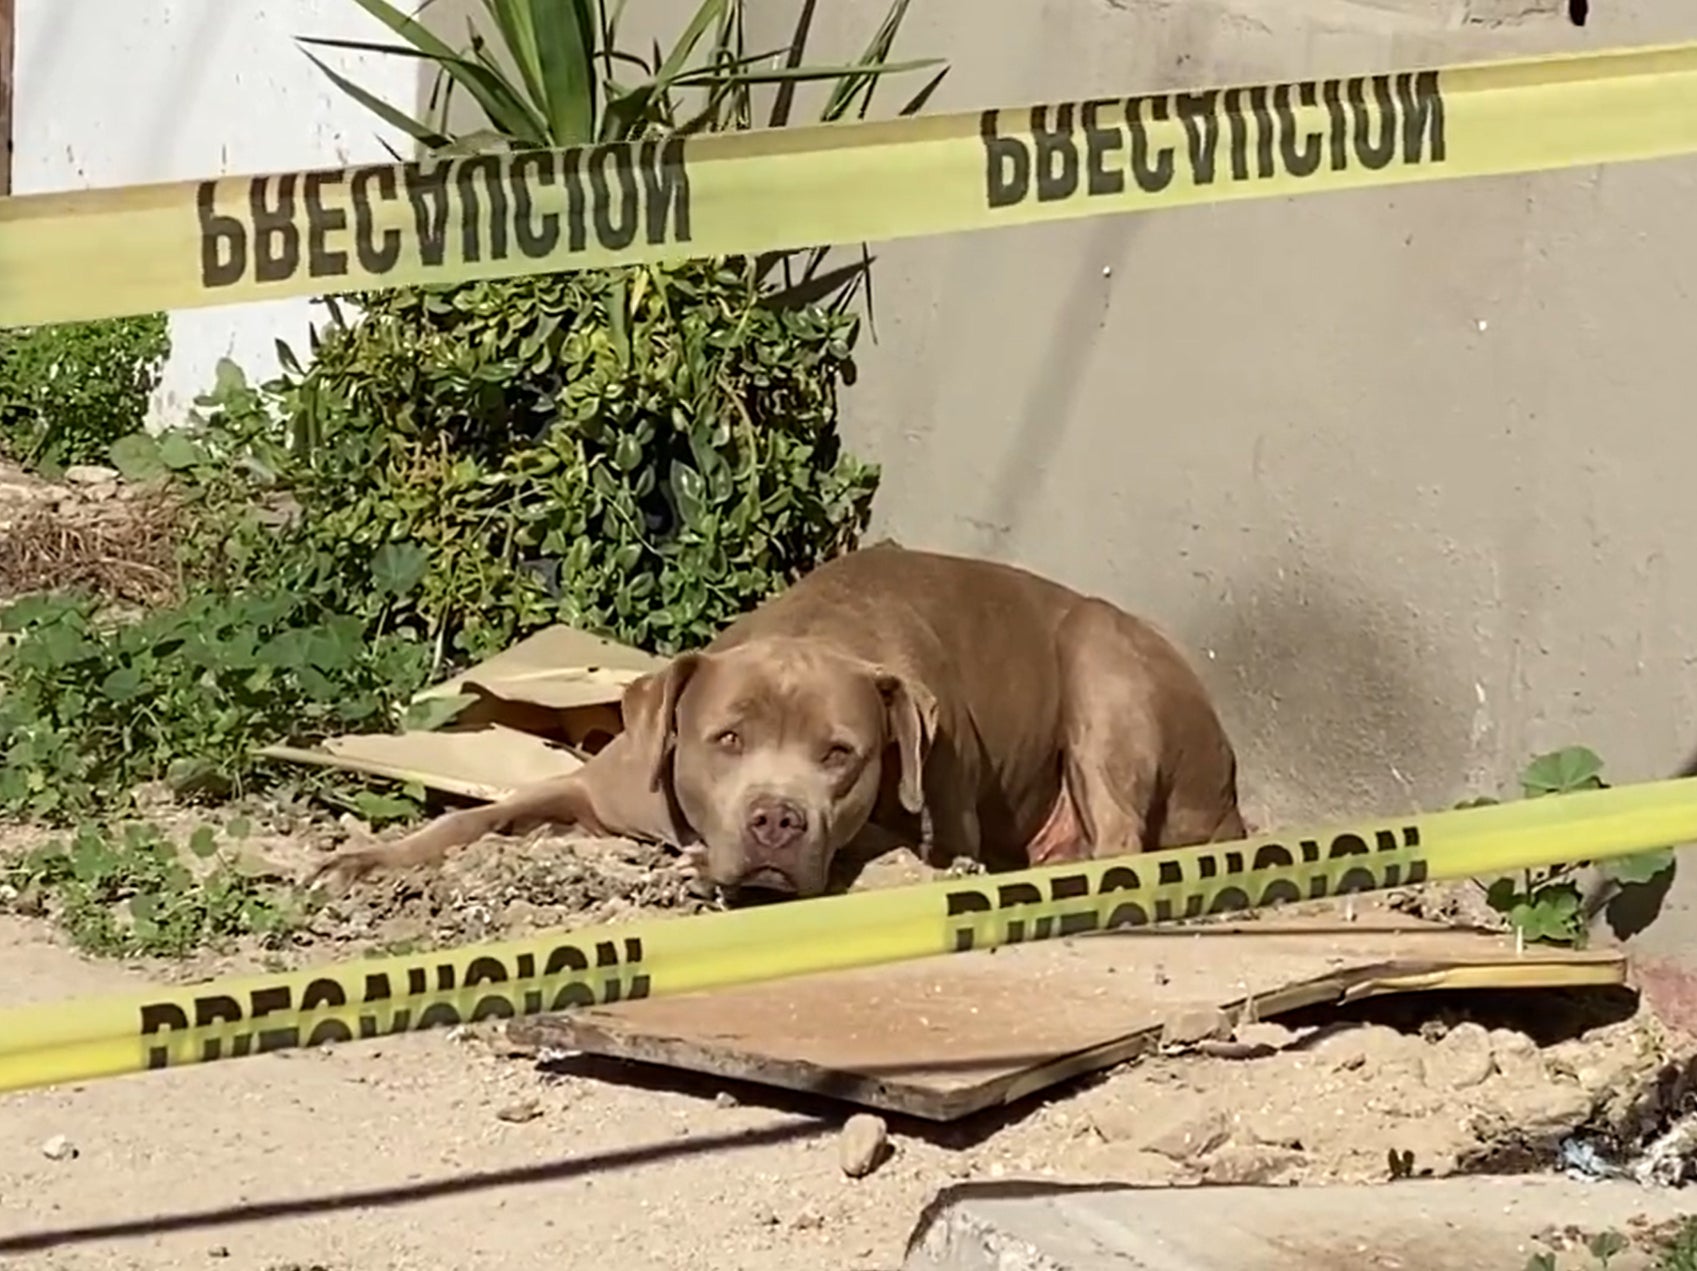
{"type": "Point", "coordinates": [775, 753]}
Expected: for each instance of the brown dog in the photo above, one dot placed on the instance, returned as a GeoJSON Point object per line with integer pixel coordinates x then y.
{"type": "Point", "coordinates": [969, 706]}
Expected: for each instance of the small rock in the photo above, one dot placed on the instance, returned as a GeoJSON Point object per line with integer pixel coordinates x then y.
{"type": "Point", "coordinates": [1265, 1033]}
{"type": "Point", "coordinates": [1551, 1110]}
{"type": "Point", "coordinates": [14, 492]}
{"type": "Point", "coordinates": [864, 1143]}
{"type": "Point", "coordinates": [59, 1148]}
{"type": "Point", "coordinates": [1275, 1129]}
{"type": "Point", "coordinates": [1113, 1162]}
{"type": "Point", "coordinates": [724, 1099]}
{"type": "Point", "coordinates": [1507, 1041]}
{"type": "Point", "coordinates": [1363, 1045]}
{"type": "Point", "coordinates": [1438, 1164]}
{"type": "Point", "coordinates": [1461, 1059]}
{"type": "Point", "coordinates": [1537, 1115]}
{"type": "Point", "coordinates": [90, 474]}
{"type": "Point", "coordinates": [1189, 1027]}
{"type": "Point", "coordinates": [1235, 1049]}
{"type": "Point", "coordinates": [1605, 1072]}
{"type": "Point", "coordinates": [1414, 1105]}
{"type": "Point", "coordinates": [1252, 1164]}
{"type": "Point", "coordinates": [1348, 1059]}
{"type": "Point", "coordinates": [1434, 1029]}
{"type": "Point", "coordinates": [520, 1112]}
{"type": "Point", "coordinates": [1516, 1057]}
{"type": "Point", "coordinates": [1186, 1133]}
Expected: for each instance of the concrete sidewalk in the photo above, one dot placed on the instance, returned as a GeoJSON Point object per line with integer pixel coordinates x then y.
{"type": "Point", "coordinates": [1456, 1224]}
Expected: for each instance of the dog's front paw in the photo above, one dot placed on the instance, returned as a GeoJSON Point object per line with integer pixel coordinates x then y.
{"type": "Point", "coordinates": [344, 869]}
{"type": "Point", "coordinates": [692, 863]}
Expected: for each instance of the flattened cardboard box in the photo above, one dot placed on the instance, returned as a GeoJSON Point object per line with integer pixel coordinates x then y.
{"type": "Point", "coordinates": [535, 710]}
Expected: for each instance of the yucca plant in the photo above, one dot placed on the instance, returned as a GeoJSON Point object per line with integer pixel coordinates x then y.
{"type": "Point", "coordinates": [559, 76]}
{"type": "Point", "coordinates": [646, 450]}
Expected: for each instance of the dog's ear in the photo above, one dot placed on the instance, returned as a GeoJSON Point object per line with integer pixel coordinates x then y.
{"type": "Point", "coordinates": [650, 709]}
{"type": "Point", "coordinates": [912, 714]}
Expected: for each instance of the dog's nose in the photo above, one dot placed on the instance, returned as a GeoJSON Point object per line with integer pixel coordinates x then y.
{"type": "Point", "coordinates": [775, 824]}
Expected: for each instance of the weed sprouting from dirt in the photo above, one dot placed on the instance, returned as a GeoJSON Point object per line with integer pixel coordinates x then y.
{"type": "Point", "coordinates": [136, 892]}
{"type": "Point", "coordinates": [1672, 1246]}
{"type": "Point", "coordinates": [1549, 905]}
{"type": "Point", "coordinates": [1679, 1253]}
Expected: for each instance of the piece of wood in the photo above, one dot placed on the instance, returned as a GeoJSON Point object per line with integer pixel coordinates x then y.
{"type": "Point", "coordinates": [945, 1037]}
{"type": "Point", "coordinates": [8, 76]}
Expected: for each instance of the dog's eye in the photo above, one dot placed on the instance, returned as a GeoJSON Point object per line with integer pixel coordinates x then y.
{"type": "Point", "coordinates": [839, 753]}
{"type": "Point", "coordinates": [729, 739]}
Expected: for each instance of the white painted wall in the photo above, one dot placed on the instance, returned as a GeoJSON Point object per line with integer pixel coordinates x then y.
{"type": "Point", "coordinates": [117, 92]}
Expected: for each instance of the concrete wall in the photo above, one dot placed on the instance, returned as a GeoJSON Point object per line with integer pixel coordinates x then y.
{"type": "Point", "coordinates": [1408, 471]}
{"type": "Point", "coordinates": [116, 92]}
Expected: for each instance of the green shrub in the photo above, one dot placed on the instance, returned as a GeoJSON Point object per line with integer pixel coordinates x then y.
{"type": "Point", "coordinates": [133, 892]}
{"type": "Point", "coordinates": [1548, 904]}
{"type": "Point", "coordinates": [68, 392]}
{"type": "Point", "coordinates": [90, 711]}
{"type": "Point", "coordinates": [646, 453]}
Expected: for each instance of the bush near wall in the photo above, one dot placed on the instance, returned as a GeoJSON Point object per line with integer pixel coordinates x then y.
{"type": "Point", "coordinates": [643, 452]}
{"type": "Point", "coordinates": [68, 392]}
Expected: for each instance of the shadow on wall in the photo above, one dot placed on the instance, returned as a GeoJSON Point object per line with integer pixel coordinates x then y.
{"type": "Point", "coordinates": [1050, 403]}
{"type": "Point", "coordinates": [1326, 688]}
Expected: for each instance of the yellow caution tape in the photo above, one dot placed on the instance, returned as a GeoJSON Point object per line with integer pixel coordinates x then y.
{"type": "Point", "coordinates": [107, 252]}
{"type": "Point", "coordinates": [226, 1019]}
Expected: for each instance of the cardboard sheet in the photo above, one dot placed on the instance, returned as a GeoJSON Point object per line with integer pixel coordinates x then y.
{"type": "Point", "coordinates": [945, 1037]}
{"type": "Point", "coordinates": [536, 710]}
{"type": "Point", "coordinates": [558, 668]}
{"type": "Point", "coordinates": [486, 763]}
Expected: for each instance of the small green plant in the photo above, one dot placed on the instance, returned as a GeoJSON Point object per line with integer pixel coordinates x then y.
{"type": "Point", "coordinates": [186, 694]}
{"type": "Point", "coordinates": [134, 893]}
{"type": "Point", "coordinates": [1547, 905]}
{"type": "Point", "coordinates": [68, 392]}
{"type": "Point", "coordinates": [1674, 1253]}
{"type": "Point", "coordinates": [1679, 1251]}
{"type": "Point", "coordinates": [1605, 1246]}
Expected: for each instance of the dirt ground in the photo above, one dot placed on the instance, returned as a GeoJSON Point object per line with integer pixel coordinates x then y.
{"type": "Point", "coordinates": [435, 1150]}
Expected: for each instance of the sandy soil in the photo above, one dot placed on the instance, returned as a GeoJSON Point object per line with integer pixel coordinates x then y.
{"type": "Point", "coordinates": [437, 1150]}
